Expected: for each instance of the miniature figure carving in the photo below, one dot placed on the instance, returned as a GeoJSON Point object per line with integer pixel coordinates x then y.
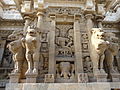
{"type": "Point", "coordinates": [98, 47]}
{"type": "Point", "coordinates": [18, 51]}
{"type": "Point", "coordinates": [88, 66]}
{"type": "Point", "coordinates": [32, 44]}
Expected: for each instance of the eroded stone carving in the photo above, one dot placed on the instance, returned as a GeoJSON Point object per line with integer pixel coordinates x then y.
{"type": "Point", "coordinates": [98, 46]}
{"type": "Point", "coordinates": [32, 44]}
{"type": "Point", "coordinates": [18, 51]}
{"type": "Point", "coordinates": [64, 40]}
{"type": "Point", "coordinates": [112, 51]}
{"type": "Point", "coordinates": [65, 70]}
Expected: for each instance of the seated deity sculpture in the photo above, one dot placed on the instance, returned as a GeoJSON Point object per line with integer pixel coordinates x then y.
{"type": "Point", "coordinates": [17, 50]}
{"type": "Point", "coordinates": [31, 42]}
{"type": "Point", "coordinates": [98, 46]}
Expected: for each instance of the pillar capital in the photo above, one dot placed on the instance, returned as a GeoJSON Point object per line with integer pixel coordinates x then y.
{"type": "Point", "coordinates": [27, 17]}
{"type": "Point", "coordinates": [53, 17]}
{"type": "Point", "coordinates": [40, 13]}
{"type": "Point", "coordinates": [77, 17]}
{"type": "Point", "coordinates": [88, 16]}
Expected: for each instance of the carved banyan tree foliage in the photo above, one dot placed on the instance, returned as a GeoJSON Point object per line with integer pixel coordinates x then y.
{"type": "Point", "coordinates": [64, 40]}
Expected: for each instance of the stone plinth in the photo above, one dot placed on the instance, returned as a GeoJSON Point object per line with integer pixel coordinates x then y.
{"type": "Point", "coordinates": [62, 86]}
{"type": "Point", "coordinates": [49, 78]}
{"type": "Point", "coordinates": [14, 77]}
{"type": "Point", "coordinates": [101, 77]}
{"type": "Point", "coordinates": [31, 78]}
{"type": "Point", "coordinates": [115, 77]}
{"type": "Point", "coordinates": [82, 78]}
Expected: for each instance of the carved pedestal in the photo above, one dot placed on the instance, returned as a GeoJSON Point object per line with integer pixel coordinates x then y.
{"type": "Point", "coordinates": [14, 78]}
{"type": "Point", "coordinates": [49, 78]}
{"type": "Point", "coordinates": [31, 78]}
{"type": "Point", "coordinates": [82, 78]}
{"type": "Point", "coordinates": [101, 77]}
{"type": "Point", "coordinates": [115, 77]}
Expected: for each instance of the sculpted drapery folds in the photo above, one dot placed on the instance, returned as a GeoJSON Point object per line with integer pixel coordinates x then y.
{"type": "Point", "coordinates": [98, 46]}
{"type": "Point", "coordinates": [31, 42]}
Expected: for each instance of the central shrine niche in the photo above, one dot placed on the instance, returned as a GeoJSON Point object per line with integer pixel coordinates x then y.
{"type": "Point", "coordinates": [64, 48]}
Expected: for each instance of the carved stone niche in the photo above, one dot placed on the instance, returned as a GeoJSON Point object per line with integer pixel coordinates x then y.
{"type": "Point", "coordinates": [65, 72]}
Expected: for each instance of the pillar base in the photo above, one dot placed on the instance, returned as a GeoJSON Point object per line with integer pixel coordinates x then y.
{"type": "Point", "coordinates": [101, 77]}
{"type": "Point", "coordinates": [49, 78]}
{"type": "Point", "coordinates": [82, 78]}
{"type": "Point", "coordinates": [31, 78]}
{"type": "Point", "coordinates": [14, 77]}
{"type": "Point", "coordinates": [115, 77]}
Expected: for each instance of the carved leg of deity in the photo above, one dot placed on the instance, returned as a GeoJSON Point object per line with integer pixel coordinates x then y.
{"type": "Point", "coordinates": [35, 62]}
{"type": "Point", "coordinates": [101, 63]}
{"type": "Point", "coordinates": [29, 61]}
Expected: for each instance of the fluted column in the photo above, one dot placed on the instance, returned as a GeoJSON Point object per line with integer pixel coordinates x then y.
{"type": "Point", "coordinates": [77, 44]}
{"type": "Point", "coordinates": [52, 47]}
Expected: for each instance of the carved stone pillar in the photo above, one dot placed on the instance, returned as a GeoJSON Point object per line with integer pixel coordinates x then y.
{"type": "Point", "coordinates": [2, 47]}
{"type": "Point", "coordinates": [100, 19]}
{"type": "Point", "coordinates": [27, 22]}
{"type": "Point", "coordinates": [89, 24]}
{"type": "Point", "coordinates": [51, 69]}
{"type": "Point", "coordinates": [40, 19]}
{"type": "Point", "coordinates": [77, 44]}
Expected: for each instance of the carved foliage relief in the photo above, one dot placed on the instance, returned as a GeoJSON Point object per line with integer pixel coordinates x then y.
{"type": "Point", "coordinates": [64, 40]}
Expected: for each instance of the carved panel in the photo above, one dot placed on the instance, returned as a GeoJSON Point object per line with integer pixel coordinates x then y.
{"type": "Point", "coordinates": [64, 41]}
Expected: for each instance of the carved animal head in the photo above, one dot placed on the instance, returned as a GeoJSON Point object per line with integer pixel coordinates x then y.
{"type": "Point", "coordinates": [15, 35]}
{"type": "Point", "coordinates": [32, 32]}
{"type": "Point", "coordinates": [98, 40]}
{"type": "Point", "coordinates": [98, 33]}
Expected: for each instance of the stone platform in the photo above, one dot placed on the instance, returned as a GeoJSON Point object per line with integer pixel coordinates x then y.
{"type": "Point", "coordinates": [63, 86]}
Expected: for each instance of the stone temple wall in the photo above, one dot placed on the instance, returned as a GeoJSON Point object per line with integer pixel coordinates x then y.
{"type": "Point", "coordinates": [60, 44]}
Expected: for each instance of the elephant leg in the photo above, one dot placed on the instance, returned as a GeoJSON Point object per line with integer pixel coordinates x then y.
{"type": "Point", "coordinates": [29, 61]}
